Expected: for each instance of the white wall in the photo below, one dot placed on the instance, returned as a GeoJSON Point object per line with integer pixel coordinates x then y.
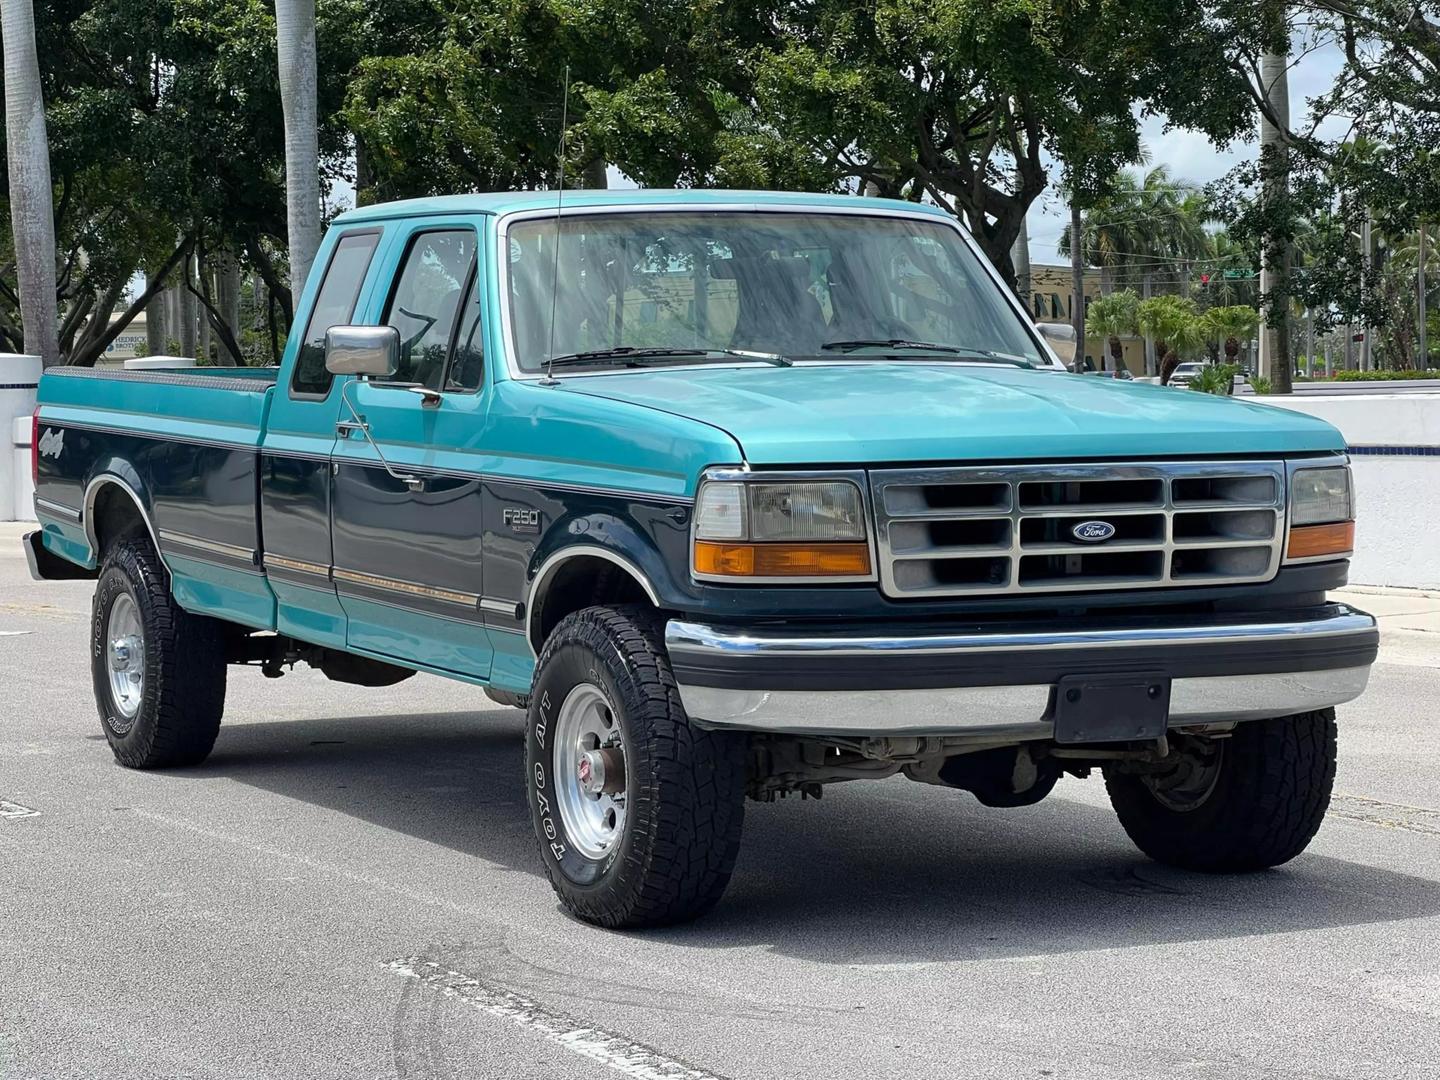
{"type": "Point", "coordinates": [1397, 527]}
{"type": "Point", "coordinates": [18, 377]}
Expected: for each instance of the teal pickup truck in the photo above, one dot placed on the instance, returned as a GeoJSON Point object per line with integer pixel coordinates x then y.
{"type": "Point", "coordinates": [738, 494]}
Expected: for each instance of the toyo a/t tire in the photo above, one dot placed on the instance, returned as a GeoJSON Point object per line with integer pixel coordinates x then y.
{"type": "Point", "coordinates": [1258, 802]}
{"type": "Point", "coordinates": [158, 671]}
{"type": "Point", "coordinates": [638, 813]}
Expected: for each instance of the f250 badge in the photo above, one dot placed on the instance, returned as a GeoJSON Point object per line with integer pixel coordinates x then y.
{"type": "Point", "coordinates": [51, 443]}
{"type": "Point", "coordinates": [521, 520]}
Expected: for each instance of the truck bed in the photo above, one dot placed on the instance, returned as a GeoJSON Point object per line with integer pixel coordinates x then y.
{"type": "Point", "coordinates": [186, 443]}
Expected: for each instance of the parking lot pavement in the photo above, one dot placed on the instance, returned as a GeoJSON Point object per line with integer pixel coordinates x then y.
{"type": "Point", "coordinates": [349, 888]}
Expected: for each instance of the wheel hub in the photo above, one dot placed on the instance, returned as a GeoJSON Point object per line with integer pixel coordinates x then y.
{"type": "Point", "coordinates": [590, 771]}
{"type": "Point", "coordinates": [1190, 783]}
{"type": "Point", "coordinates": [602, 771]}
{"type": "Point", "coordinates": [125, 660]}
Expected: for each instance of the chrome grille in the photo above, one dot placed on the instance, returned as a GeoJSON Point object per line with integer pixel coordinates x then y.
{"type": "Point", "coordinates": [1008, 529]}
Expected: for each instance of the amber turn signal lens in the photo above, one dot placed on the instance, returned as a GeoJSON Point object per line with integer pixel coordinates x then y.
{"type": "Point", "coordinates": [782, 560]}
{"type": "Point", "coordinates": [1308, 541]}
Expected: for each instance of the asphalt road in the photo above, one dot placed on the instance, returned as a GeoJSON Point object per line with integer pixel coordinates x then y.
{"type": "Point", "coordinates": [349, 888]}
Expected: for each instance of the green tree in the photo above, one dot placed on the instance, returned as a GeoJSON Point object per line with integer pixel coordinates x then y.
{"type": "Point", "coordinates": [959, 102]}
{"type": "Point", "coordinates": [1229, 324]}
{"type": "Point", "coordinates": [166, 151]}
{"type": "Point", "coordinates": [1113, 317]}
{"type": "Point", "coordinates": [1174, 322]}
{"type": "Point", "coordinates": [1146, 227]}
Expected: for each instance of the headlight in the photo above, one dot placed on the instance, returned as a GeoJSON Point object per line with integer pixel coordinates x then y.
{"type": "Point", "coordinates": [780, 529]}
{"type": "Point", "coordinates": [1322, 514]}
{"type": "Point", "coordinates": [1320, 496]}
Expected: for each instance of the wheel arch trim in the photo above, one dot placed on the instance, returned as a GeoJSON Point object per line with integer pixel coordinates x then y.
{"type": "Point", "coordinates": [93, 491]}
{"type": "Point", "coordinates": [544, 576]}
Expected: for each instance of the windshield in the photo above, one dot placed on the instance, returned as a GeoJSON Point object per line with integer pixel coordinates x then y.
{"type": "Point", "coordinates": [801, 285]}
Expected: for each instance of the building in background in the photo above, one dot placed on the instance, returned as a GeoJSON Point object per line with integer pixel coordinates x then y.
{"type": "Point", "coordinates": [130, 343]}
{"type": "Point", "coordinates": [1050, 302]}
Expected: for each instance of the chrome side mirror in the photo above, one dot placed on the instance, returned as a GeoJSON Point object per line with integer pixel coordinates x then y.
{"type": "Point", "coordinates": [372, 351]}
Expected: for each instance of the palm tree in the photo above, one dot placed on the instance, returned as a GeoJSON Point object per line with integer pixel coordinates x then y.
{"type": "Point", "coordinates": [31, 211]}
{"type": "Point", "coordinates": [1147, 228]}
{"type": "Point", "coordinates": [1229, 324]}
{"type": "Point", "coordinates": [1274, 185]}
{"type": "Point", "coordinates": [1113, 317]}
{"type": "Point", "coordinates": [295, 40]}
{"type": "Point", "coordinates": [1174, 322]}
{"type": "Point", "coordinates": [1152, 224]}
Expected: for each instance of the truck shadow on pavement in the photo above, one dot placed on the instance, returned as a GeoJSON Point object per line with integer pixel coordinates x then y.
{"type": "Point", "coordinates": [891, 872]}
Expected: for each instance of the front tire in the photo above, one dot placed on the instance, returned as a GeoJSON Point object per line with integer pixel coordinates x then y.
{"type": "Point", "coordinates": [159, 672]}
{"type": "Point", "coordinates": [638, 813]}
{"type": "Point", "coordinates": [1259, 804]}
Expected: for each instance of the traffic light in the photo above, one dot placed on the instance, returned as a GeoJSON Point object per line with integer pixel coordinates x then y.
{"type": "Point", "coordinates": [1205, 279]}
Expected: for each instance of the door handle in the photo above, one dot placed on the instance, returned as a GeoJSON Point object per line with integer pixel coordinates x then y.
{"type": "Point", "coordinates": [345, 428]}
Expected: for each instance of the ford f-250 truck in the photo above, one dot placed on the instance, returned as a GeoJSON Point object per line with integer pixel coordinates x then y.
{"type": "Point", "coordinates": [739, 494]}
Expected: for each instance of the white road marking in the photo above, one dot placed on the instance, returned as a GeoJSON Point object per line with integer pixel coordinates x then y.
{"type": "Point", "coordinates": [14, 633]}
{"type": "Point", "coordinates": [624, 1055]}
{"type": "Point", "coordinates": [1387, 815]}
{"type": "Point", "coordinates": [10, 809]}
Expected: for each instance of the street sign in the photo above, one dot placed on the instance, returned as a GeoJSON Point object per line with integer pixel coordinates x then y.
{"type": "Point", "coordinates": [1239, 275]}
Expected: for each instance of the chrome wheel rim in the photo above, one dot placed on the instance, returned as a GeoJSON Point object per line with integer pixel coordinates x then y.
{"type": "Point", "coordinates": [125, 660]}
{"type": "Point", "coordinates": [590, 774]}
{"type": "Point", "coordinates": [1189, 785]}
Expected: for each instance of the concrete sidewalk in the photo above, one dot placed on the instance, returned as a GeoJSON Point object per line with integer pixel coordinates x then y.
{"type": "Point", "coordinates": [1409, 622]}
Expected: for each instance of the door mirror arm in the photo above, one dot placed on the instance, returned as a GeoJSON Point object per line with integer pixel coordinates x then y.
{"type": "Point", "coordinates": [343, 429]}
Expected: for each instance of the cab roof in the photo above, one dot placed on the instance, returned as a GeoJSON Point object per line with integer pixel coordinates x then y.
{"type": "Point", "coordinates": [504, 202]}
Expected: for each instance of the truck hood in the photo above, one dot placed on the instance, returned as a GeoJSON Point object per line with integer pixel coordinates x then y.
{"type": "Point", "coordinates": [911, 411]}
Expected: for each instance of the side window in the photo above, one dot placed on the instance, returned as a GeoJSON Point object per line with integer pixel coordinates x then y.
{"type": "Point", "coordinates": [334, 306]}
{"type": "Point", "coordinates": [467, 366]}
{"type": "Point", "coordinates": [425, 302]}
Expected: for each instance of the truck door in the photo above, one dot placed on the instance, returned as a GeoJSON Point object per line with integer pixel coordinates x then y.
{"type": "Point", "coordinates": [406, 527]}
{"type": "Point", "coordinates": [295, 482]}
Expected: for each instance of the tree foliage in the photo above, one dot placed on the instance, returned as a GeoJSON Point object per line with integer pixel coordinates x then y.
{"type": "Point", "coordinates": [1113, 317]}
{"type": "Point", "coordinates": [1145, 226]}
{"type": "Point", "coordinates": [1174, 322]}
{"type": "Point", "coordinates": [1381, 168]}
{"type": "Point", "coordinates": [1229, 324]}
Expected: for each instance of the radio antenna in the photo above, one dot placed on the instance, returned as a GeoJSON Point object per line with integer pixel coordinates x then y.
{"type": "Point", "coordinates": [559, 198]}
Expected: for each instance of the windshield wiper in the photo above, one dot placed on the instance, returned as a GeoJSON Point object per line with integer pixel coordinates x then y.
{"type": "Point", "coordinates": [924, 346]}
{"type": "Point", "coordinates": [639, 355]}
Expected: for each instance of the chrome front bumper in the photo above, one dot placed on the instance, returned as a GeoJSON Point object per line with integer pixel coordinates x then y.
{"type": "Point", "coordinates": [1002, 683]}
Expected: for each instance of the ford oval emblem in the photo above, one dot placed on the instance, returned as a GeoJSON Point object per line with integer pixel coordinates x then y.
{"type": "Point", "coordinates": [1092, 532]}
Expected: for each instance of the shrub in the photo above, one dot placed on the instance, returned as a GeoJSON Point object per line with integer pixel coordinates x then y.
{"type": "Point", "coordinates": [1366, 376]}
{"type": "Point", "coordinates": [1216, 379]}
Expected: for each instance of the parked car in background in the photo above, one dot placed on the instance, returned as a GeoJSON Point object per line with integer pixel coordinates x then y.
{"type": "Point", "coordinates": [1186, 373]}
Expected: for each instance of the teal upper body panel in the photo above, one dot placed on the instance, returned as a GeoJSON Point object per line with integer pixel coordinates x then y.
{"type": "Point", "coordinates": [915, 411]}
{"type": "Point", "coordinates": [507, 202]}
{"type": "Point", "coordinates": [211, 405]}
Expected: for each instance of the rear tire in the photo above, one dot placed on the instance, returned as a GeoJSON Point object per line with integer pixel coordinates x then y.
{"type": "Point", "coordinates": [159, 671]}
{"type": "Point", "coordinates": [1261, 809]}
{"type": "Point", "coordinates": [664, 850]}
